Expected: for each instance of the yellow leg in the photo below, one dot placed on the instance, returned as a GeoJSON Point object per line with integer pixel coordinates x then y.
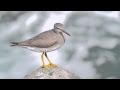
{"type": "Point", "coordinates": [48, 58]}
{"type": "Point", "coordinates": [50, 63]}
{"type": "Point", "coordinates": [43, 60]}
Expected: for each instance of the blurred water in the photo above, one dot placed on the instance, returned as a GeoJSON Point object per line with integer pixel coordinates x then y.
{"type": "Point", "coordinates": [95, 44]}
{"type": "Point", "coordinates": [92, 51]}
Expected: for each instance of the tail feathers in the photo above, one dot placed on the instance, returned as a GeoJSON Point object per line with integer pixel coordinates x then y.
{"type": "Point", "coordinates": [14, 43]}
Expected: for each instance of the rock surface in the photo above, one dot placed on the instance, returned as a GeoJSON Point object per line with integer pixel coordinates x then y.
{"type": "Point", "coordinates": [52, 73]}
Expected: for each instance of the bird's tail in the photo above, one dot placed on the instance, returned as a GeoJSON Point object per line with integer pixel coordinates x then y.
{"type": "Point", "coordinates": [14, 43]}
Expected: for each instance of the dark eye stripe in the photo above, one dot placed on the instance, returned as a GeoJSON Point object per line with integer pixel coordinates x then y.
{"type": "Point", "coordinates": [58, 28]}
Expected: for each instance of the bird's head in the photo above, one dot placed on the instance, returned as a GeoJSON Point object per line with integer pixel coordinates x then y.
{"type": "Point", "coordinates": [60, 28]}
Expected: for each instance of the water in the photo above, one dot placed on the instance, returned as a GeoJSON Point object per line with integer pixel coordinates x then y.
{"type": "Point", "coordinates": [92, 51]}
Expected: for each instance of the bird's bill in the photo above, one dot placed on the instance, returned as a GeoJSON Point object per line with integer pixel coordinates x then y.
{"type": "Point", "coordinates": [66, 33]}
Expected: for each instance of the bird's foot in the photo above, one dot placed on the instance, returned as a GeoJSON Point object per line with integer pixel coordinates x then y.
{"type": "Point", "coordinates": [49, 66]}
{"type": "Point", "coordinates": [52, 65]}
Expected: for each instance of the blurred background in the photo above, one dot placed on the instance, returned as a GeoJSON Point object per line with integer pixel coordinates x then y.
{"type": "Point", "coordinates": [92, 51]}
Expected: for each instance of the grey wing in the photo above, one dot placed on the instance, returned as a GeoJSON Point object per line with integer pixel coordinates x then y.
{"type": "Point", "coordinates": [43, 40]}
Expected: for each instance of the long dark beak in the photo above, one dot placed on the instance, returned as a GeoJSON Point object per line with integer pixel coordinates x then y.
{"type": "Point", "coordinates": [66, 32]}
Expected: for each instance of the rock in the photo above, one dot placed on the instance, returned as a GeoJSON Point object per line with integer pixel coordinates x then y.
{"type": "Point", "coordinates": [51, 73]}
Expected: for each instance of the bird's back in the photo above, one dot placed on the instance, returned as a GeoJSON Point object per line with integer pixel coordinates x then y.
{"type": "Point", "coordinates": [42, 40]}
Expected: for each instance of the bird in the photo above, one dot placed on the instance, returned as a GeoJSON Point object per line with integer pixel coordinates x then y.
{"type": "Point", "coordinates": [44, 42]}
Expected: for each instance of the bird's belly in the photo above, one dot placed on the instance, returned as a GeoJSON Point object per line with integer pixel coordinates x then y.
{"type": "Point", "coordinates": [54, 47]}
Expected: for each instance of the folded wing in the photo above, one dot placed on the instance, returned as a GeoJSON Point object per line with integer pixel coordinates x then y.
{"type": "Point", "coordinates": [42, 40]}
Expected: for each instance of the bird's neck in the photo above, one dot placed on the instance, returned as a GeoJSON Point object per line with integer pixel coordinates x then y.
{"type": "Point", "coordinates": [56, 30]}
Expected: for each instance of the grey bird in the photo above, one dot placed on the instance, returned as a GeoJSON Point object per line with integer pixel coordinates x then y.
{"type": "Point", "coordinates": [45, 42]}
